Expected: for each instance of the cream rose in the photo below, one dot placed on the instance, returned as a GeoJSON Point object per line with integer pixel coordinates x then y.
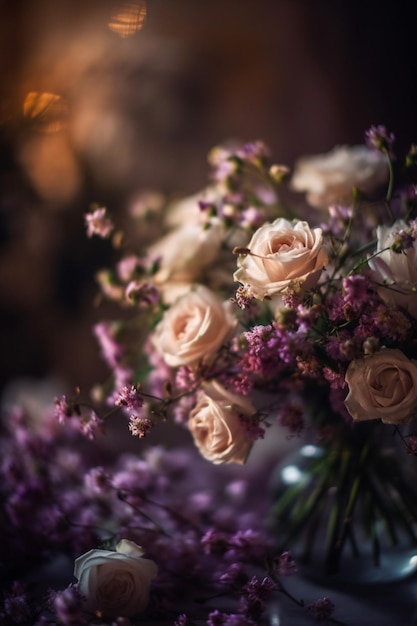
{"type": "Point", "coordinates": [187, 246]}
{"type": "Point", "coordinates": [396, 271]}
{"type": "Point", "coordinates": [216, 426]}
{"type": "Point", "coordinates": [193, 328]}
{"type": "Point", "coordinates": [283, 257]}
{"type": "Point", "coordinates": [329, 178]}
{"type": "Point", "coordinates": [115, 583]}
{"type": "Point", "coordinates": [382, 386]}
{"type": "Point", "coordinates": [185, 251]}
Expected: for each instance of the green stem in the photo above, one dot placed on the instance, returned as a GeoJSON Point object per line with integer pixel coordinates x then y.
{"type": "Point", "coordinates": [301, 511]}
{"type": "Point", "coordinates": [390, 183]}
{"type": "Point", "coordinates": [343, 524]}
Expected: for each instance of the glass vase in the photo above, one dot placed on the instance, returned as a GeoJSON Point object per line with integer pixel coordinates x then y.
{"type": "Point", "coordinates": [347, 510]}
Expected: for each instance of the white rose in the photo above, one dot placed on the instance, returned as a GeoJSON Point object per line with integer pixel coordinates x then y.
{"type": "Point", "coordinates": [398, 271]}
{"type": "Point", "coordinates": [283, 256]}
{"type": "Point", "coordinates": [194, 328]}
{"type": "Point", "coordinates": [216, 426]}
{"type": "Point", "coordinates": [382, 386]}
{"type": "Point", "coordinates": [184, 254]}
{"type": "Point", "coordinates": [329, 178]}
{"type": "Point", "coordinates": [115, 583]}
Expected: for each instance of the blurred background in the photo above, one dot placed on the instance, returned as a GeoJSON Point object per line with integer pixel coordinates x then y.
{"type": "Point", "coordinates": [102, 99]}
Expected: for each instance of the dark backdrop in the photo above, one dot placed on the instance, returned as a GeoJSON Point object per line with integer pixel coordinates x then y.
{"type": "Point", "coordinates": [143, 111]}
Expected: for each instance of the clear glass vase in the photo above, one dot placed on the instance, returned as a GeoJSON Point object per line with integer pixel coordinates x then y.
{"type": "Point", "coordinates": [348, 510]}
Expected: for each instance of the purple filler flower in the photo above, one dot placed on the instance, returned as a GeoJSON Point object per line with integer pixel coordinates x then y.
{"type": "Point", "coordinates": [378, 138]}
{"type": "Point", "coordinates": [321, 609]}
{"type": "Point", "coordinates": [284, 564]}
{"type": "Point", "coordinates": [63, 409]}
{"type": "Point", "coordinates": [129, 398]}
{"type": "Point", "coordinates": [98, 223]}
{"type": "Point", "coordinates": [68, 606]}
{"type": "Point", "coordinates": [140, 426]}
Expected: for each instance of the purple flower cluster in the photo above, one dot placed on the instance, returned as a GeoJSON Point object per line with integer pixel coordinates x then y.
{"type": "Point", "coordinates": [246, 185]}
{"type": "Point", "coordinates": [78, 497]}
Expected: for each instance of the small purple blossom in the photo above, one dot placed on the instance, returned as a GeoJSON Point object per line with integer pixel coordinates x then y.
{"type": "Point", "coordinates": [142, 293]}
{"type": "Point", "coordinates": [251, 218]}
{"type": "Point", "coordinates": [207, 207]}
{"type": "Point", "coordinates": [98, 223]}
{"type": "Point", "coordinates": [321, 609]}
{"type": "Point", "coordinates": [16, 604]}
{"type": "Point", "coordinates": [68, 606]}
{"type": "Point", "coordinates": [403, 239]}
{"type": "Point", "coordinates": [291, 416]}
{"type": "Point", "coordinates": [255, 594]}
{"type": "Point", "coordinates": [247, 544]}
{"type": "Point", "coordinates": [92, 425]}
{"type": "Point", "coordinates": [140, 426]}
{"type": "Point", "coordinates": [259, 590]}
{"type": "Point", "coordinates": [358, 289]}
{"type": "Point", "coordinates": [215, 542]}
{"type": "Point", "coordinates": [338, 219]}
{"type": "Point", "coordinates": [218, 618]}
{"type": "Point", "coordinates": [98, 480]}
{"type": "Point", "coordinates": [411, 442]}
{"type": "Point", "coordinates": [379, 138]}
{"type": "Point", "coordinates": [129, 398]}
{"type": "Point", "coordinates": [284, 564]}
{"type": "Point", "coordinates": [181, 409]}
{"type": "Point", "coordinates": [122, 377]}
{"type": "Point", "coordinates": [253, 426]}
{"type": "Point", "coordinates": [111, 350]}
{"type": "Point", "coordinates": [245, 299]}
{"type": "Point", "coordinates": [185, 378]}
{"type": "Point", "coordinates": [64, 409]}
{"type": "Point", "coordinates": [254, 150]}
{"type": "Point", "coordinates": [235, 575]}
{"type": "Point", "coordinates": [127, 267]}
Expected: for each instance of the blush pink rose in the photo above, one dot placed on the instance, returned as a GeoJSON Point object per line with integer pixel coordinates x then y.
{"type": "Point", "coordinates": [382, 386]}
{"type": "Point", "coordinates": [217, 429]}
{"type": "Point", "coordinates": [115, 583]}
{"type": "Point", "coordinates": [194, 328]}
{"type": "Point", "coordinates": [395, 272]}
{"type": "Point", "coordinates": [284, 256]}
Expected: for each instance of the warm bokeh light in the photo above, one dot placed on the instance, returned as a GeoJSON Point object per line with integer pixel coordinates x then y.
{"type": "Point", "coordinates": [47, 112]}
{"type": "Point", "coordinates": [51, 167]}
{"type": "Point", "coordinates": [128, 17]}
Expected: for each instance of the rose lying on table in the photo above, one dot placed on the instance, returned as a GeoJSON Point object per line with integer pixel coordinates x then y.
{"type": "Point", "coordinates": [115, 584]}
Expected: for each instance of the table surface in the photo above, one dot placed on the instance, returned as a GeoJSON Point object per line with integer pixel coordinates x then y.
{"type": "Point", "coordinates": [392, 604]}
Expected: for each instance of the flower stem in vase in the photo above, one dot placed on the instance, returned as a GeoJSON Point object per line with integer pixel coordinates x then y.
{"type": "Point", "coordinates": [347, 509]}
{"type": "Point", "coordinates": [341, 529]}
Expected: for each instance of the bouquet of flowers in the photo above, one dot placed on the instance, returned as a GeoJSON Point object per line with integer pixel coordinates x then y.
{"type": "Point", "coordinates": [289, 297]}
{"type": "Point", "coordinates": [270, 297]}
